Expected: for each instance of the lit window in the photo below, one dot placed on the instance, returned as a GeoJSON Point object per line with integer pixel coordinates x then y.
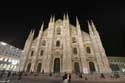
{"type": "Point", "coordinates": [9, 60]}
{"type": "Point", "coordinates": [5, 59]}
{"type": "Point", "coordinates": [14, 62]}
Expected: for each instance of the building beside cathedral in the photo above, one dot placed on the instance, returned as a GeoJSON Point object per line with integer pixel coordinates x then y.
{"type": "Point", "coordinates": [9, 57]}
{"type": "Point", "coordinates": [117, 64]}
{"type": "Point", "coordinates": [64, 47]}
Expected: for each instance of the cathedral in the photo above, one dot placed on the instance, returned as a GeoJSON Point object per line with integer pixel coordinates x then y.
{"type": "Point", "coordinates": [64, 47]}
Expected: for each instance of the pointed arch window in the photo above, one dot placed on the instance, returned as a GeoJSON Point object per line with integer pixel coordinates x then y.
{"type": "Point", "coordinates": [41, 53]}
{"type": "Point", "coordinates": [88, 50]}
{"type": "Point", "coordinates": [58, 43]}
{"type": "Point", "coordinates": [32, 53]}
{"type": "Point", "coordinates": [39, 67]}
{"type": "Point", "coordinates": [28, 67]}
{"type": "Point", "coordinates": [92, 67]}
{"type": "Point", "coordinates": [75, 50]}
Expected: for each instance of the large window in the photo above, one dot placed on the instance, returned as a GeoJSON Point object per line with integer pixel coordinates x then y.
{"type": "Point", "coordinates": [88, 50]}
{"type": "Point", "coordinates": [75, 50]}
{"type": "Point", "coordinates": [57, 43]}
{"type": "Point", "coordinates": [41, 53]}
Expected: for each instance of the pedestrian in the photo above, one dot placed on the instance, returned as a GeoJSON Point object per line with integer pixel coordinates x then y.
{"type": "Point", "coordinates": [80, 75]}
{"type": "Point", "coordinates": [102, 75]}
{"type": "Point", "coordinates": [20, 75]}
{"type": "Point", "coordinates": [13, 74]}
{"type": "Point", "coordinates": [2, 73]}
{"type": "Point", "coordinates": [86, 78]}
{"type": "Point", "coordinates": [43, 72]}
{"type": "Point", "coordinates": [8, 75]}
{"type": "Point", "coordinates": [69, 80]}
{"type": "Point", "coordinates": [65, 78]}
{"type": "Point", "coordinates": [50, 74]}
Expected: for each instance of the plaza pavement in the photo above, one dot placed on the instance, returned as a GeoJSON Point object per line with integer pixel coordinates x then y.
{"type": "Point", "coordinates": [58, 79]}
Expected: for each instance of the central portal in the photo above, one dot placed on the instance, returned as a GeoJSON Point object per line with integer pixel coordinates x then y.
{"type": "Point", "coordinates": [76, 67]}
{"type": "Point", "coordinates": [56, 65]}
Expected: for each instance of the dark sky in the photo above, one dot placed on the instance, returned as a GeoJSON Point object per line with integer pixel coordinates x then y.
{"type": "Point", "coordinates": [109, 18]}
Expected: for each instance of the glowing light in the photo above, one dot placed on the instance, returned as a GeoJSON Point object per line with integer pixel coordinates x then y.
{"type": "Point", "coordinates": [5, 59]}
{"type": "Point", "coordinates": [9, 60]}
{"type": "Point", "coordinates": [3, 43]}
{"type": "Point", "coordinates": [1, 58]}
{"type": "Point", "coordinates": [123, 69]}
{"type": "Point", "coordinates": [14, 62]}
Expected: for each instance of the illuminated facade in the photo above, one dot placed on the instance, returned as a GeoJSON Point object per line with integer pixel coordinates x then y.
{"type": "Point", "coordinates": [63, 47]}
{"type": "Point", "coordinates": [117, 64]}
{"type": "Point", "coordinates": [9, 57]}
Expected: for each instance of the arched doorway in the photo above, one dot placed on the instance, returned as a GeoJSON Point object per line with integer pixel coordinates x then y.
{"type": "Point", "coordinates": [76, 67]}
{"type": "Point", "coordinates": [39, 67]}
{"type": "Point", "coordinates": [56, 65]}
{"type": "Point", "coordinates": [92, 67]}
{"type": "Point", "coordinates": [28, 67]}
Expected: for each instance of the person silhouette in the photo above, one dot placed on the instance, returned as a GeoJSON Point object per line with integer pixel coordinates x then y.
{"type": "Point", "coordinates": [65, 78]}
{"type": "Point", "coordinates": [69, 78]}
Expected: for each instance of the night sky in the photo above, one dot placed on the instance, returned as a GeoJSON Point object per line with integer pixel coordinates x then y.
{"type": "Point", "coordinates": [109, 18]}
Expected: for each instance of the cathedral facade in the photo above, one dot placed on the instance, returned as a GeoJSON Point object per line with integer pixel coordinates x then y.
{"type": "Point", "coordinates": [63, 47]}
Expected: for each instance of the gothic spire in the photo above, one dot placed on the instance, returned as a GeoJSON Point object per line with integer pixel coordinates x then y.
{"type": "Point", "coordinates": [26, 50]}
{"type": "Point", "coordinates": [64, 17]}
{"type": "Point", "coordinates": [101, 49]}
{"type": "Point", "coordinates": [94, 30]}
{"type": "Point", "coordinates": [53, 18]}
{"type": "Point", "coordinates": [93, 27]}
{"type": "Point", "coordinates": [77, 22]}
{"type": "Point", "coordinates": [90, 29]}
{"type": "Point", "coordinates": [33, 32]}
{"type": "Point", "coordinates": [37, 47]}
{"type": "Point", "coordinates": [30, 34]}
{"type": "Point", "coordinates": [41, 30]}
{"type": "Point", "coordinates": [78, 25]}
{"type": "Point", "coordinates": [67, 17]}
